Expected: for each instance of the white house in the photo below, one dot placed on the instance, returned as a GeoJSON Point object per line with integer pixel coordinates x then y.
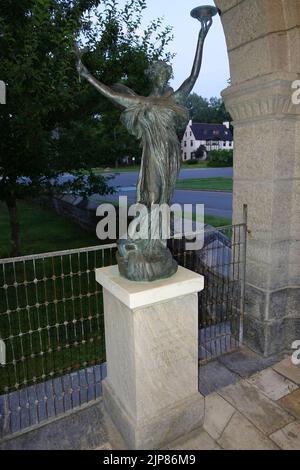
{"type": "Point", "coordinates": [209, 136]}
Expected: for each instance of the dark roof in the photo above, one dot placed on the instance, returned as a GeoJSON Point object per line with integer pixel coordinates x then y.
{"type": "Point", "coordinates": [211, 132]}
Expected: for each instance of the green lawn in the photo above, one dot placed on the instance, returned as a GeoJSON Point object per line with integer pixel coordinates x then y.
{"type": "Point", "coordinates": [130, 168]}
{"type": "Point", "coordinates": [54, 325]}
{"type": "Point", "coordinates": [60, 318]}
{"type": "Point", "coordinates": [212, 184]}
{"type": "Point", "coordinates": [195, 165]}
{"type": "Point", "coordinates": [217, 221]}
{"type": "Point", "coordinates": [42, 230]}
{"type": "Point", "coordinates": [121, 169]}
{"type": "Point", "coordinates": [136, 168]}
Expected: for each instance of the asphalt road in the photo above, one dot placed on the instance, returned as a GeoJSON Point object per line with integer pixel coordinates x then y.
{"type": "Point", "coordinates": [130, 178]}
{"type": "Point", "coordinates": [218, 204]}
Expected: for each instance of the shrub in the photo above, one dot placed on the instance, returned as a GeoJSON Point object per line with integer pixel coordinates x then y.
{"type": "Point", "coordinates": [220, 158]}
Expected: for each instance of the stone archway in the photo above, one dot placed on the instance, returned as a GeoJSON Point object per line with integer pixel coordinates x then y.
{"type": "Point", "coordinates": [263, 41]}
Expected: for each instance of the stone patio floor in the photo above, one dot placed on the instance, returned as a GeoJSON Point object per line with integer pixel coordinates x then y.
{"type": "Point", "coordinates": [251, 403]}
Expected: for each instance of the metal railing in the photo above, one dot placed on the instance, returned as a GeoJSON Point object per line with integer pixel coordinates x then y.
{"type": "Point", "coordinates": [52, 322]}
{"type": "Point", "coordinates": [222, 262]}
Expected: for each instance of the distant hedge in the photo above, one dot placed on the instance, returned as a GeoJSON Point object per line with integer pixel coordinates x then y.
{"type": "Point", "coordinates": [220, 158]}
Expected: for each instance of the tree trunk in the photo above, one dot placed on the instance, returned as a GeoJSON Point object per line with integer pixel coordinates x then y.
{"type": "Point", "coordinates": [11, 203]}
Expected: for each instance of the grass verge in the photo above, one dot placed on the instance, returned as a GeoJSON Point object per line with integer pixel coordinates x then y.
{"type": "Point", "coordinates": [42, 230]}
{"type": "Point", "coordinates": [212, 184]}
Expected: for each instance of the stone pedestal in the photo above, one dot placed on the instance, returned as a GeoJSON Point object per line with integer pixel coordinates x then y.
{"type": "Point", "coordinates": [151, 390]}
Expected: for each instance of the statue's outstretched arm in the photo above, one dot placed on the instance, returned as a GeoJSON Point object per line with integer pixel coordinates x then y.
{"type": "Point", "coordinates": [187, 86]}
{"type": "Point", "coordinates": [118, 98]}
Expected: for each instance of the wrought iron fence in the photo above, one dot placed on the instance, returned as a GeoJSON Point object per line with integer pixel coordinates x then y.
{"type": "Point", "coordinates": [51, 321]}
{"type": "Point", "coordinates": [222, 262]}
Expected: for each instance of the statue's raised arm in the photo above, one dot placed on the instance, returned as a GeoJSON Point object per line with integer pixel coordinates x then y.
{"type": "Point", "coordinates": [204, 15]}
{"type": "Point", "coordinates": [120, 96]}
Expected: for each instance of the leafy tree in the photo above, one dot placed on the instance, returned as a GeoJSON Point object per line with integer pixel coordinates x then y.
{"type": "Point", "coordinates": [200, 152]}
{"type": "Point", "coordinates": [51, 123]}
{"type": "Point", "coordinates": [209, 111]}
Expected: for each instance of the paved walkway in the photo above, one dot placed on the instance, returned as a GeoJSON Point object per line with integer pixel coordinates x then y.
{"type": "Point", "coordinates": [258, 408]}
{"type": "Point", "coordinates": [261, 412]}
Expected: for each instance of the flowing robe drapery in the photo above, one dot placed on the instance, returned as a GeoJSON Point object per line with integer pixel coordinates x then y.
{"type": "Point", "coordinates": [153, 121]}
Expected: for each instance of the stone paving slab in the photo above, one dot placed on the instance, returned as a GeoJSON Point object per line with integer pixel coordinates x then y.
{"type": "Point", "coordinates": [199, 440]}
{"type": "Point", "coordinates": [264, 413]}
{"type": "Point", "coordinates": [214, 376]}
{"type": "Point", "coordinates": [221, 345]}
{"type": "Point", "coordinates": [240, 434]}
{"type": "Point", "coordinates": [288, 438]}
{"type": "Point", "coordinates": [272, 384]}
{"type": "Point", "coordinates": [259, 412]}
{"type": "Point", "coordinates": [291, 403]}
{"type": "Point", "coordinates": [218, 413]}
{"type": "Point", "coordinates": [289, 370]}
{"type": "Point", "coordinates": [246, 363]}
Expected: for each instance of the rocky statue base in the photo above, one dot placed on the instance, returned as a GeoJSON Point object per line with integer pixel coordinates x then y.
{"type": "Point", "coordinates": [137, 263]}
{"type": "Point", "coordinates": [151, 390]}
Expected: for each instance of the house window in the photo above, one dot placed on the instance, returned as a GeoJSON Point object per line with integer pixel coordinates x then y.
{"type": "Point", "coordinates": [185, 155]}
{"type": "Point", "coordinates": [224, 144]}
{"type": "Point", "coordinates": [185, 143]}
{"type": "Point", "coordinates": [192, 143]}
{"type": "Point", "coordinates": [190, 134]}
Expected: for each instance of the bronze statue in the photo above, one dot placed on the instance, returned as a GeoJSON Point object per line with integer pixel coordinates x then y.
{"type": "Point", "coordinates": [152, 119]}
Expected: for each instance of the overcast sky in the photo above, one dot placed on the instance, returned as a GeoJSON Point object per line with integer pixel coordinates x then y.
{"type": "Point", "coordinates": [215, 69]}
